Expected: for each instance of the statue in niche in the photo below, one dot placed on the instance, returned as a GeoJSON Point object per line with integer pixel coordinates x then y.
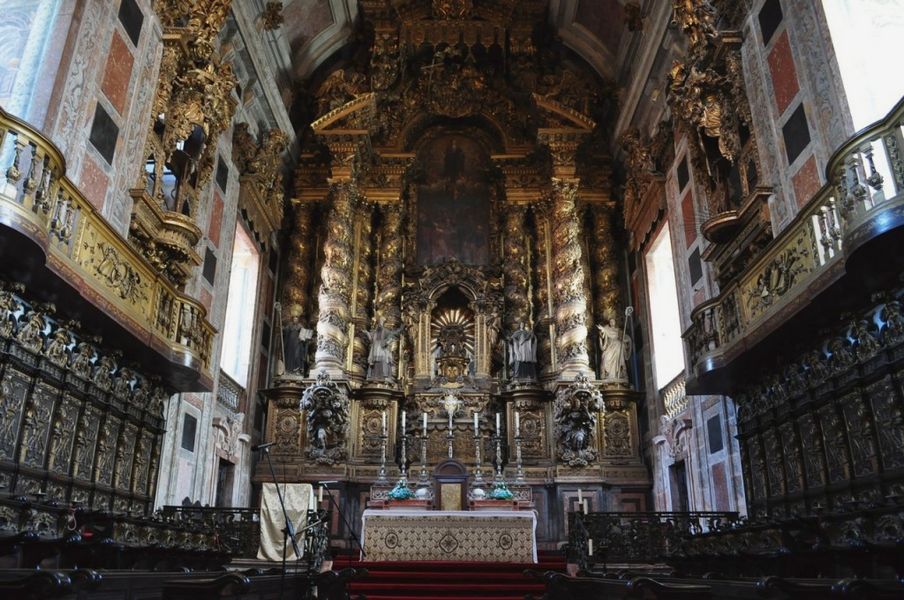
{"type": "Point", "coordinates": [326, 407]}
{"type": "Point", "coordinates": [522, 346]}
{"type": "Point", "coordinates": [296, 340]}
{"type": "Point", "coordinates": [379, 360]}
{"type": "Point", "coordinates": [614, 350]}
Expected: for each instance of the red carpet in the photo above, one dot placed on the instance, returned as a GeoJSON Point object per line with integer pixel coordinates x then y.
{"type": "Point", "coordinates": [429, 580]}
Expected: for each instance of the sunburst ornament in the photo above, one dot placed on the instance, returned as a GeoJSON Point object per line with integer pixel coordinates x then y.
{"type": "Point", "coordinates": [452, 333]}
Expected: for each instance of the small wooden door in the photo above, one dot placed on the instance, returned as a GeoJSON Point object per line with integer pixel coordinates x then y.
{"type": "Point", "coordinates": [451, 483]}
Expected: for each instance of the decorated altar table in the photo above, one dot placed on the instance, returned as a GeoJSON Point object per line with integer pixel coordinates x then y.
{"type": "Point", "coordinates": [481, 536]}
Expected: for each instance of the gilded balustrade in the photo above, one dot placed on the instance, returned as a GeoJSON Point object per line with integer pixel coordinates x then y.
{"type": "Point", "coordinates": [39, 201]}
{"type": "Point", "coordinates": [863, 198]}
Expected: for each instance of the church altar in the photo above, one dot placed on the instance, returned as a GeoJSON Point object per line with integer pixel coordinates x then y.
{"type": "Point", "coordinates": [482, 536]}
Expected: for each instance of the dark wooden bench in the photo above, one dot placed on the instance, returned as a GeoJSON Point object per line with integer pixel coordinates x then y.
{"type": "Point", "coordinates": [563, 587]}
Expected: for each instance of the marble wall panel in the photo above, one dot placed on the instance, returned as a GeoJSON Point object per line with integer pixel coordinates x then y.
{"type": "Point", "coordinates": [783, 72]}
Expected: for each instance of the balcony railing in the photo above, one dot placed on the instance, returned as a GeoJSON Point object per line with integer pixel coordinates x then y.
{"type": "Point", "coordinates": [862, 199]}
{"type": "Point", "coordinates": [40, 202]}
{"type": "Point", "coordinates": [674, 396]}
{"type": "Point", "coordinates": [229, 393]}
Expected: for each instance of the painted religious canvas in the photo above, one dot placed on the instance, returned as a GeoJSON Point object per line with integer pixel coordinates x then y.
{"type": "Point", "coordinates": [453, 210]}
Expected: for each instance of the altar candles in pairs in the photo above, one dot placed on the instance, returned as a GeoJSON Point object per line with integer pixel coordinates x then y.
{"type": "Point", "coordinates": [425, 424]}
{"type": "Point", "coordinates": [403, 422]}
{"type": "Point", "coordinates": [475, 422]}
{"type": "Point", "coordinates": [320, 495]}
{"type": "Point", "coordinates": [590, 547]}
{"type": "Point", "coordinates": [498, 426]}
{"type": "Point", "coordinates": [517, 424]}
{"type": "Point", "coordinates": [585, 506]}
{"type": "Point", "coordinates": [580, 497]}
{"type": "Point", "coordinates": [384, 422]}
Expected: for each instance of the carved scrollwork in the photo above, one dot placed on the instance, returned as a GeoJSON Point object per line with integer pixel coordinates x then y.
{"type": "Point", "coordinates": [326, 409]}
{"type": "Point", "coordinates": [576, 413]}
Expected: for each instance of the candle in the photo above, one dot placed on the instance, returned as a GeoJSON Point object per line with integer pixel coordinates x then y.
{"type": "Point", "coordinates": [384, 422]}
{"type": "Point", "coordinates": [320, 495]}
{"type": "Point", "coordinates": [498, 428]}
{"type": "Point", "coordinates": [517, 424]}
{"type": "Point", "coordinates": [425, 424]}
{"type": "Point", "coordinates": [590, 547]}
{"type": "Point", "coordinates": [580, 497]}
{"type": "Point", "coordinates": [403, 422]}
{"type": "Point", "coordinates": [475, 422]}
{"type": "Point", "coordinates": [585, 505]}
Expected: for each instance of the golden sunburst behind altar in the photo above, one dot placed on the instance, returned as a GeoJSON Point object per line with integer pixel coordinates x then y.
{"type": "Point", "coordinates": [452, 344]}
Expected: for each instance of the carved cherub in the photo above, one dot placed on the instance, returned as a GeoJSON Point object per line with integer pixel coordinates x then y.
{"type": "Point", "coordinates": [80, 363]}
{"type": "Point", "coordinates": [31, 335]}
{"type": "Point", "coordinates": [57, 350]}
{"type": "Point", "coordinates": [103, 373]}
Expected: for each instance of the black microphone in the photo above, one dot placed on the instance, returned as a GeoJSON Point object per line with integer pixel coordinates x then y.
{"type": "Point", "coordinates": [261, 446]}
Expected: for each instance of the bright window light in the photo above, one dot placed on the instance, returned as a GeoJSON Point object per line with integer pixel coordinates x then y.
{"type": "Point", "coordinates": [867, 38]}
{"type": "Point", "coordinates": [237, 333]}
{"type": "Point", "coordinates": [668, 349]}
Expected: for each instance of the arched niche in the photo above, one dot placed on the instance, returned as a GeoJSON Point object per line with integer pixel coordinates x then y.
{"type": "Point", "coordinates": [450, 293]}
{"type": "Point", "coordinates": [453, 336]}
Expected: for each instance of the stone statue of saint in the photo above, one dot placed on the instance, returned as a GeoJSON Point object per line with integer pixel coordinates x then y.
{"type": "Point", "coordinates": [614, 350]}
{"type": "Point", "coordinates": [523, 353]}
{"type": "Point", "coordinates": [379, 360]}
{"type": "Point", "coordinates": [296, 338]}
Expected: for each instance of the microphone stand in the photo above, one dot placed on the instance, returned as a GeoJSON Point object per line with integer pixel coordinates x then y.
{"type": "Point", "coordinates": [288, 531]}
{"type": "Point", "coordinates": [352, 534]}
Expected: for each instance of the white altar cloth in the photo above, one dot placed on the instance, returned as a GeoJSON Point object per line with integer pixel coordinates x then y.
{"type": "Point", "coordinates": [482, 536]}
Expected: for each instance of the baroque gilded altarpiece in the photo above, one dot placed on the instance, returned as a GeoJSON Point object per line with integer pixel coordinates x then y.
{"type": "Point", "coordinates": [456, 188]}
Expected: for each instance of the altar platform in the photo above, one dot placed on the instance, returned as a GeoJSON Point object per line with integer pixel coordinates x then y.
{"type": "Point", "coordinates": [478, 536]}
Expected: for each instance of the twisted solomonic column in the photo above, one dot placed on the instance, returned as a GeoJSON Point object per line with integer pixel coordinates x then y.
{"type": "Point", "coordinates": [516, 270]}
{"type": "Point", "coordinates": [542, 278]}
{"type": "Point", "coordinates": [296, 289]}
{"type": "Point", "coordinates": [389, 271]}
{"type": "Point", "coordinates": [335, 278]}
{"type": "Point", "coordinates": [569, 297]}
{"type": "Point", "coordinates": [607, 291]}
{"type": "Point", "coordinates": [363, 285]}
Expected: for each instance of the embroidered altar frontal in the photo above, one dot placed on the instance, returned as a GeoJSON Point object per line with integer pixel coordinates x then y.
{"type": "Point", "coordinates": [485, 536]}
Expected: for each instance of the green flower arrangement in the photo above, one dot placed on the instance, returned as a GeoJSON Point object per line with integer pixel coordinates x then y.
{"type": "Point", "coordinates": [401, 492]}
{"type": "Point", "coordinates": [501, 492]}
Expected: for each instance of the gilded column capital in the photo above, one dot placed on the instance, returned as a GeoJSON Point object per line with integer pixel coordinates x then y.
{"type": "Point", "coordinates": [563, 148]}
{"type": "Point", "coordinates": [525, 178]}
{"type": "Point", "coordinates": [385, 179]}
